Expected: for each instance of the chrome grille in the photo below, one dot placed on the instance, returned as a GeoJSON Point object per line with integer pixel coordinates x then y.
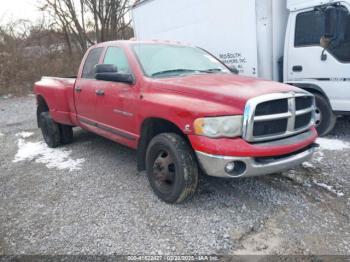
{"type": "Point", "coordinates": [277, 116]}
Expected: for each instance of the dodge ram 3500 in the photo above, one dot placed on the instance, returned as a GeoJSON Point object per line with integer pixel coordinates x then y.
{"type": "Point", "coordinates": [183, 111]}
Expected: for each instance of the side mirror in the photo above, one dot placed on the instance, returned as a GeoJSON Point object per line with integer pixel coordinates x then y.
{"type": "Point", "coordinates": [110, 73]}
{"type": "Point", "coordinates": [115, 77]}
{"type": "Point", "coordinates": [334, 28]}
{"type": "Point", "coordinates": [330, 30]}
{"type": "Point", "coordinates": [331, 18]}
{"type": "Point", "coordinates": [105, 68]}
{"type": "Point", "coordinates": [233, 70]}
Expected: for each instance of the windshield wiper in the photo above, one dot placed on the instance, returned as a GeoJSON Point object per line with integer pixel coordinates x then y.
{"type": "Point", "coordinates": [184, 71]}
{"type": "Point", "coordinates": [180, 71]}
{"type": "Point", "coordinates": [211, 71]}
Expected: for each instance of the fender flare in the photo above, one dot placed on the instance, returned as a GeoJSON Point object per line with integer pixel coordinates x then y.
{"type": "Point", "coordinates": [147, 133]}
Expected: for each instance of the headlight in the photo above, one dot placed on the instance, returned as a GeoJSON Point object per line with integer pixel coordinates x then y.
{"type": "Point", "coordinates": [214, 127]}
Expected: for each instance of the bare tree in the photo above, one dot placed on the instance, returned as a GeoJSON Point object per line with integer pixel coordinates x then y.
{"type": "Point", "coordinates": [90, 21]}
{"type": "Point", "coordinates": [109, 18]}
{"type": "Point", "coordinates": [56, 43]}
{"type": "Point", "coordinates": [28, 51]}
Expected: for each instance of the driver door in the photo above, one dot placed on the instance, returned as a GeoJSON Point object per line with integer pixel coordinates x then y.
{"type": "Point", "coordinates": [113, 98]}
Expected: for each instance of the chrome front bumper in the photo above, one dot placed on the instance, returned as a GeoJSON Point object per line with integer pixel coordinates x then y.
{"type": "Point", "coordinates": [248, 166]}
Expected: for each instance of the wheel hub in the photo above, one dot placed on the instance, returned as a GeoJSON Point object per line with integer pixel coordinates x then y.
{"type": "Point", "coordinates": [164, 172]}
{"type": "Point", "coordinates": [318, 116]}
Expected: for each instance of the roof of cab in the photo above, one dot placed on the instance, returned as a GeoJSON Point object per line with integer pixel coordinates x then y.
{"type": "Point", "coordinates": [130, 42]}
{"type": "Point", "coordinates": [296, 5]}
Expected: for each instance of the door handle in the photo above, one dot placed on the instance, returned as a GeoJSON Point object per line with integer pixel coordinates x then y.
{"type": "Point", "coordinates": [100, 92]}
{"type": "Point", "coordinates": [297, 68]}
{"type": "Point", "coordinates": [78, 89]}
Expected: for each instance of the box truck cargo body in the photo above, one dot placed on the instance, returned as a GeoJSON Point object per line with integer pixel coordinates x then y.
{"type": "Point", "coordinates": [278, 40]}
{"type": "Point", "coordinates": [239, 33]}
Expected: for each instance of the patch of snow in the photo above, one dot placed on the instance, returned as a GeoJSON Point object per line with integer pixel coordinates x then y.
{"type": "Point", "coordinates": [24, 134]}
{"type": "Point", "coordinates": [318, 156]}
{"type": "Point", "coordinates": [1, 134]}
{"type": "Point", "coordinates": [308, 165]}
{"type": "Point", "coordinates": [7, 96]}
{"type": "Point", "coordinates": [329, 188]}
{"type": "Point", "coordinates": [332, 144]}
{"type": "Point", "coordinates": [52, 158]}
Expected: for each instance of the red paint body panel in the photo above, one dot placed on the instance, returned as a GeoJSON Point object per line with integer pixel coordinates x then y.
{"type": "Point", "coordinates": [120, 113]}
{"type": "Point", "coordinates": [58, 94]}
{"type": "Point", "coordinates": [85, 101]}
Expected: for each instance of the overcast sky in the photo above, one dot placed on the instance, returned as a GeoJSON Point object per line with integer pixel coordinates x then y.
{"type": "Point", "coordinates": [19, 9]}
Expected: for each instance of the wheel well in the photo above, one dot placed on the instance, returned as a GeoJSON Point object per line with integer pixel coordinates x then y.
{"type": "Point", "coordinates": [150, 128]}
{"type": "Point", "coordinates": [314, 89]}
{"type": "Point", "coordinates": [41, 107]}
{"type": "Point", "coordinates": [318, 92]}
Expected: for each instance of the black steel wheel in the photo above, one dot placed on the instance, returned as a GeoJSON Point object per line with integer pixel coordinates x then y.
{"type": "Point", "coordinates": [171, 168]}
{"type": "Point", "coordinates": [164, 171]}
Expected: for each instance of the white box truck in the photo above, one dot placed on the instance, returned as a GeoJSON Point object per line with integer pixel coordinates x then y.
{"type": "Point", "coordinates": [305, 43]}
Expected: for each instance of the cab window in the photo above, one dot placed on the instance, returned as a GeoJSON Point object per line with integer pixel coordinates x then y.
{"type": "Point", "coordinates": [310, 28]}
{"type": "Point", "coordinates": [116, 56]}
{"type": "Point", "coordinates": [90, 63]}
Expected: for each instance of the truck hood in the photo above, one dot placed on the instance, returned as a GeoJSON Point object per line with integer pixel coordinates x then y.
{"type": "Point", "coordinates": [226, 89]}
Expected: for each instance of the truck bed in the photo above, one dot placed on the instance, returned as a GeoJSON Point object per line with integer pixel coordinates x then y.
{"type": "Point", "coordinates": [59, 95]}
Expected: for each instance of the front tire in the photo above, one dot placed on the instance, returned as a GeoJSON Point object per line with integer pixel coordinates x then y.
{"type": "Point", "coordinates": [171, 168]}
{"type": "Point", "coordinates": [325, 118]}
{"type": "Point", "coordinates": [50, 130]}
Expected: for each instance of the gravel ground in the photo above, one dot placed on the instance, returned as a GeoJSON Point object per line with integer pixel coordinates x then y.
{"type": "Point", "coordinates": [88, 198]}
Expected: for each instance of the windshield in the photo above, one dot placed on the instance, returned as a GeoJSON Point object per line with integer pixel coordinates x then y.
{"type": "Point", "coordinates": [162, 60]}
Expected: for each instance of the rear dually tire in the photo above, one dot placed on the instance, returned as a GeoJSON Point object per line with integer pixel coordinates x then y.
{"type": "Point", "coordinates": [50, 130]}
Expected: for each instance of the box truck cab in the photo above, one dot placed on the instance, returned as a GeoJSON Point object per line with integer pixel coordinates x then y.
{"type": "Point", "coordinates": [305, 43]}
{"type": "Point", "coordinates": [317, 56]}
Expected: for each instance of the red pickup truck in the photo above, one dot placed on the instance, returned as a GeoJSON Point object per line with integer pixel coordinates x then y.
{"type": "Point", "coordinates": [183, 111]}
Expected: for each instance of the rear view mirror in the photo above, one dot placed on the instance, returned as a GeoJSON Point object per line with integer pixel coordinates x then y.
{"type": "Point", "coordinates": [329, 30]}
{"type": "Point", "coordinates": [110, 73]}
{"type": "Point", "coordinates": [330, 22]}
{"type": "Point", "coordinates": [334, 28]}
{"type": "Point", "coordinates": [325, 42]}
{"type": "Point", "coordinates": [336, 18]}
{"type": "Point", "coordinates": [233, 70]}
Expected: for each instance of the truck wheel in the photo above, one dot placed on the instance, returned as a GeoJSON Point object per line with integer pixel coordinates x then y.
{"type": "Point", "coordinates": [66, 134]}
{"type": "Point", "coordinates": [325, 118]}
{"type": "Point", "coordinates": [50, 130]}
{"type": "Point", "coordinates": [171, 168]}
